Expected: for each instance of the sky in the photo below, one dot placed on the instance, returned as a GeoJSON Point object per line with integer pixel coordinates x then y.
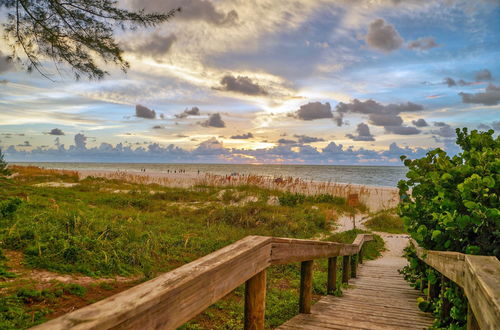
{"type": "Point", "coordinates": [269, 81]}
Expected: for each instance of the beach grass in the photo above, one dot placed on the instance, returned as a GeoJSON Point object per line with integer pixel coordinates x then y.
{"type": "Point", "coordinates": [386, 221]}
{"type": "Point", "coordinates": [106, 235]}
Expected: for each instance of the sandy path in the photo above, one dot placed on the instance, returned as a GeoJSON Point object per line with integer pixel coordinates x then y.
{"type": "Point", "coordinates": [394, 243]}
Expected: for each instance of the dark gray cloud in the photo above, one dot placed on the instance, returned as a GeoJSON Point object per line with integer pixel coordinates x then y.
{"type": "Point", "coordinates": [314, 110]}
{"type": "Point", "coordinates": [450, 82]}
{"type": "Point", "coordinates": [491, 96]}
{"type": "Point", "coordinates": [308, 139]}
{"type": "Point", "coordinates": [241, 84]}
{"type": "Point", "coordinates": [5, 63]}
{"type": "Point", "coordinates": [286, 141]}
{"type": "Point", "coordinates": [214, 120]}
{"type": "Point", "coordinates": [383, 36]}
{"type": "Point", "coordinates": [444, 130]}
{"type": "Point", "coordinates": [440, 124]}
{"type": "Point", "coordinates": [25, 144]}
{"type": "Point", "coordinates": [144, 112]}
{"type": "Point", "coordinates": [402, 130]}
{"type": "Point", "coordinates": [242, 136]}
{"type": "Point", "coordinates": [483, 75]}
{"type": "Point", "coordinates": [363, 133]}
{"type": "Point", "coordinates": [190, 10]}
{"type": "Point", "coordinates": [157, 127]}
{"type": "Point", "coordinates": [55, 131]}
{"type": "Point", "coordinates": [194, 111]}
{"type": "Point", "coordinates": [382, 115]}
{"type": "Point", "coordinates": [420, 122]}
{"type": "Point", "coordinates": [422, 43]}
{"type": "Point", "coordinates": [156, 46]}
{"type": "Point", "coordinates": [385, 119]}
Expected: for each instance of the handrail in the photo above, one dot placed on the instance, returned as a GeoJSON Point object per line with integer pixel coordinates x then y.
{"type": "Point", "coordinates": [478, 276]}
{"type": "Point", "coordinates": [173, 298]}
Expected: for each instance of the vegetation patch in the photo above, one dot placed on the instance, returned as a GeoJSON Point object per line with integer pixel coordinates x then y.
{"type": "Point", "coordinates": [387, 222]}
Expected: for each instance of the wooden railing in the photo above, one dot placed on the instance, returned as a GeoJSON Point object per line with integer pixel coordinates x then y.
{"type": "Point", "coordinates": [478, 276]}
{"type": "Point", "coordinates": [173, 298]}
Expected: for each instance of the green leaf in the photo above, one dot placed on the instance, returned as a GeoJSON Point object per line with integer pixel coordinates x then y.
{"type": "Point", "coordinates": [435, 234]}
{"type": "Point", "coordinates": [472, 249]}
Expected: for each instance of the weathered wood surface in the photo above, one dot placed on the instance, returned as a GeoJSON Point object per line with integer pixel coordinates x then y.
{"type": "Point", "coordinates": [306, 279]}
{"type": "Point", "coordinates": [479, 276]}
{"type": "Point", "coordinates": [173, 298]}
{"type": "Point", "coordinates": [379, 299]}
{"type": "Point", "coordinates": [255, 301]}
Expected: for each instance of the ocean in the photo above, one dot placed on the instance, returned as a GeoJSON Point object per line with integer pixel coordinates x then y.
{"type": "Point", "coordinates": [366, 175]}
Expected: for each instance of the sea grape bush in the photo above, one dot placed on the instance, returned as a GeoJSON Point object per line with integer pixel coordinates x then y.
{"type": "Point", "coordinates": [454, 206]}
{"type": "Point", "coordinates": [454, 202]}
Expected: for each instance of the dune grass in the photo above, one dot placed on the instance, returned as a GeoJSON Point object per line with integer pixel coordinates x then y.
{"type": "Point", "coordinates": [107, 228]}
{"type": "Point", "coordinates": [386, 221]}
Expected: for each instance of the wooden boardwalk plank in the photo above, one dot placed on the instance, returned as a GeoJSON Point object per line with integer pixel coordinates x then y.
{"type": "Point", "coordinates": [379, 298]}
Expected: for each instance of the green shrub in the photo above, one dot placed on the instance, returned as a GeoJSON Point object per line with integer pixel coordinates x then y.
{"type": "Point", "coordinates": [386, 222]}
{"type": "Point", "coordinates": [453, 206]}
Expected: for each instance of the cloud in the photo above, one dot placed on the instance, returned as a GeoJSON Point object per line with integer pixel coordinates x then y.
{"type": "Point", "coordinates": [242, 136]}
{"type": "Point", "coordinates": [314, 110]}
{"type": "Point", "coordinates": [157, 127]}
{"type": "Point", "coordinates": [56, 131]}
{"type": "Point", "coordinates": [491, 96]}
{"type": "Point", "coordinates": [241, 84]}
{"type": "Point", "coordinates": [5, 63]}
{"type": "Point", "coordinates": [190, 10]}
{"type": "Point", "coordinates": [363, 132]}
{"type": "Point", "coordinates": [450, 82]}
{"type": "Point", "coordinates": [444, 130]}
{"type": "Point", "coordinates": [420, 122]}
{"type": "Point", "coordinates": [422, 44]}
{"type": "Point", "coordinates": [402, 130]}
{"type": "Point", "coordinates": [194, 111]}
{"type": "Point", "coordinates": [156, 46]}
{"type": "Point", "coordinates": [144, 112]}
{"type": "Point", "coordinates": [385, 119]}
{"type": "Point", "coordinates": [286, 141]}
{"type": "Point", "coordinates": [80, 141]}
{"type": "Point", "coordinates": [383, 36]}
{"type": "Point", "coordinates": [214, 120]}
{"type": "Point", "coordinates": [483, 75]}
{"type": "Point", "coordinates": [308, 139]}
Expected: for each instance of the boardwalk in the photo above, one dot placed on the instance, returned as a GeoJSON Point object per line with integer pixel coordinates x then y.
{"type": "Point", "coordinates": [379, 299]}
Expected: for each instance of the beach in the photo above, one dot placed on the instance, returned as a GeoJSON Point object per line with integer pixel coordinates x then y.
{"type": "Point", "coordinates": [375, 198]}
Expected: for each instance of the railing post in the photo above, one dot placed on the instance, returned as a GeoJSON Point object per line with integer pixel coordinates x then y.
{"type": "Point", "coordinates": [446, 306]}
{"type": "Point", "coordinates": [471, 319]}
{"type": "Point", "coordinates": [432, 290]}
{"type": "Point", "coordinates": [354, 265]}
{"type": "Point", "coordinates": [345, 269]}
{"type": "Point", "coordinates": [332, 275]}
{"type": "Point", "coordinates": [255, 301]}
{"type": "Point", "coordinates": [360, 255]}
{"type": "Point", "coordinates": [306, 276]}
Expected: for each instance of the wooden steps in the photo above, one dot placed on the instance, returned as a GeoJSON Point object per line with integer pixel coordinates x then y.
{"type": "Point", "coordinates": [379, 299]}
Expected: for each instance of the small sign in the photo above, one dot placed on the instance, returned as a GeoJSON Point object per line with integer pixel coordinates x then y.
{"type": "Point", "coordinates": [352, 200]}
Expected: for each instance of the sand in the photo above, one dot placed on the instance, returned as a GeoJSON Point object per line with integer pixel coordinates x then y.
{"type": "Point", "coordinates": [376, 198]}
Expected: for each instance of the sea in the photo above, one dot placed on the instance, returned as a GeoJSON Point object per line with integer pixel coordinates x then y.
{"type": "Point", "coordinates": [387, 176]}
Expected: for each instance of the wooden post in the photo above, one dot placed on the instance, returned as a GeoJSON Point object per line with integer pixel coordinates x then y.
{"type": "Point", "coordinates": [255, 301]}
{"type": "Point", "coordinates": [360, 255]}
{"type": "Point", "coordinates": [345, 269]}
{"type": "Point", "coordinates": [354, 265]}
{"type": "Point", "coordinates": [446, 306]}
{"type": "Point", "coordinates": [306, 277]}
{"type": "Point", "coordinates": [332, 275]}
{"type": "Point", "coordinates": [432, 290]}
{"type": "Point", "coordinates": [471, 319]}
